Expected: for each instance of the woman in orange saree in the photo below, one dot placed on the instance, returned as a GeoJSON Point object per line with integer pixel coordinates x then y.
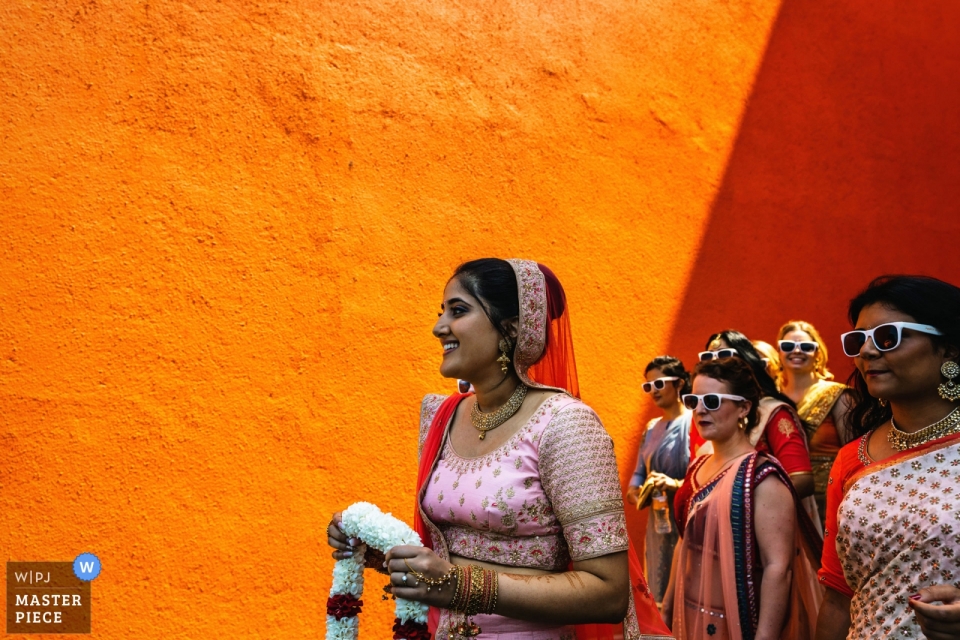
{"type": "Point", "coordinates": [892, 542]}
{"type": "Point", "coordinates": [518, 481]}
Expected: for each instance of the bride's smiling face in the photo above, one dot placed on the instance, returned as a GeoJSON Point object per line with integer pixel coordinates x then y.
{"type": "Point", "coordinates": [469, 340]}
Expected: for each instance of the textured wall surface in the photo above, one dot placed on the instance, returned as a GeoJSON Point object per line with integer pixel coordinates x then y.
{"type": "Point", "coordinates": [226, 227]}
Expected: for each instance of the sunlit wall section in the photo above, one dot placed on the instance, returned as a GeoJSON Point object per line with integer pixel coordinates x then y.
{"type": "Point", "coordinates": [226, 227]}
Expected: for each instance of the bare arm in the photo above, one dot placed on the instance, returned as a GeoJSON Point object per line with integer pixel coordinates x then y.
{"type": "Point", "coordinates": [833, 622]}
{"type": "Point", "coordinates": [774, 526]}
{"type": "Point", "coordinates": [803, 483]}
{"type": "Point", "coordinates": [595, 591]}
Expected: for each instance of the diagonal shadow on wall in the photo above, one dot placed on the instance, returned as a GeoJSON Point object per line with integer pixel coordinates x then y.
{"type": "Point", "coordinates": [846, 166]}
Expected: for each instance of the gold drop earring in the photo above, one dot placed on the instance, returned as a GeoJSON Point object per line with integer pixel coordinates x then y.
{"type": "Point", "coordinates": [949, 390]}
{"type": "Point", "coordinates": [504, 359]}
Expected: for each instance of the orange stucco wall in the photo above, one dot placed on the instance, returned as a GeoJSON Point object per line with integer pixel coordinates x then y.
{"type": "Point", "coordinates": [226, 227]}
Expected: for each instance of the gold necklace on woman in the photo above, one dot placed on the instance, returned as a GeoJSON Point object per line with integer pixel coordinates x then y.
{"type": "Point", "coordinates": [901, 440]}
{"type": "Point", "coordinates": [484, 422]}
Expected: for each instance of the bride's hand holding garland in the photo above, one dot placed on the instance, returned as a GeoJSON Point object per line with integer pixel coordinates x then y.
{"type": "Point", "coordinates": [352, 533]}
{"type": "Point", "coordinates": [405, 562]}
{"type": "Point", "coordinates": [418, 577]}
{"type": "Point", "coordinates": [420, 559]}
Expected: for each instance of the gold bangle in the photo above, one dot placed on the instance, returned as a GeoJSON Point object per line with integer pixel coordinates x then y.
{"type": "Point", "coordinates": [475, 599]}
{"type": "Point", "coordinates": [461, 591]}
{"type": "Point", "coordinates": [494, 588]}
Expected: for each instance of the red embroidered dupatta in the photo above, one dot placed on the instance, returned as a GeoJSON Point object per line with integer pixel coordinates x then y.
{"type": "Point", "coordinates": [543, 359]}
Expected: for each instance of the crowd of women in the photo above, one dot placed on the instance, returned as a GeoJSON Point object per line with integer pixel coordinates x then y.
{"type": "Point", "coordinates": [782, 504]}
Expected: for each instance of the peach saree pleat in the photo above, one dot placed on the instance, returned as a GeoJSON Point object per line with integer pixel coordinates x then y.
{"type": "Point", "coordinates": [717, 593]}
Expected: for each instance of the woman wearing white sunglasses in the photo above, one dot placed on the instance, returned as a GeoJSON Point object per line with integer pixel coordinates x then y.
{"type": "Point", "coordinates": [892, 548]}
{"type": "Point", "coordinates": [780, 431]}
{"type": "Point", "coordinates": [666, 447]}
{"type": "Point", "coordinates": [821, 403]}
{"type": "Point", "coordinates": [746, 565]}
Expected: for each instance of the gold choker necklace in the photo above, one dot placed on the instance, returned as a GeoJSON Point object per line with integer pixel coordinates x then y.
{"type": "Point", "coordinates": [901, 440]}
{"type": "Point", "coordinates": [484, 422]}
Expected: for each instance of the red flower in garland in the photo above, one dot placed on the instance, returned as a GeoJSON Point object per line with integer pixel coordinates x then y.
{"type": "Point", "coordinates": [343, 605]}
{"type": "Point", "coordinates": [409, 630]}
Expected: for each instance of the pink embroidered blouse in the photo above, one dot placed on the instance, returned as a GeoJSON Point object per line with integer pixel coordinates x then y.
{"type": "Point", "coordinates": [550, 495]}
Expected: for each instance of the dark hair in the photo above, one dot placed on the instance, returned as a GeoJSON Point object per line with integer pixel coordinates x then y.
{"type": "Point", "coordinates": [739, 375]}
{"type": "Point", "coordinates": [928, 301]}
{"type": "Point", "coordinates": [493, 282]}
{"type": "Point", "coordinates": [672, 367]}
{"type": "Point", "coordinates": [749, 354]}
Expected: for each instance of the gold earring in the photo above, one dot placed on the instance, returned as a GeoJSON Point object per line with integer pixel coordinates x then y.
{"type": "Point", "coordinates": [949, 390]}
{"type": "Point", "coordinates": [504, 359]}
{"type": "Point", "coordinates": [742, 423]}
{"type": "Point", "coordinates": [882, 401]}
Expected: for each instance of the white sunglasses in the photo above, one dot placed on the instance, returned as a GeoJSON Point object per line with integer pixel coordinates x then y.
{"type": "Point", "coordinates": [885, 336]}
{"type": "Point", "coordinates": [789, 346]}
{"type": "Point", "coordinates": [710, 401]}
{"type": "Point", "coordinates": [717, 354]}
{"type": "Point", "coordinates": [657, 384]}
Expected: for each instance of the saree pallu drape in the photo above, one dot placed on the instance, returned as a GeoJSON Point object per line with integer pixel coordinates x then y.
{"type": "Point", "coordinates": [893, 528]}
{"type": "Point", "coordinates": [718, 580]}
{"type": "Point", "coordinates": [824, 436]}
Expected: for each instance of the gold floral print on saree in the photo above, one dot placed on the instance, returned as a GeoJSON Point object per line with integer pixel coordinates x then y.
{"type": "Point", "coordinates": [898, 530]}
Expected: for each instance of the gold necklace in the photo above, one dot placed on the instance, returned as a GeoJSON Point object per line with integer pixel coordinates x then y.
{"type": "Point", "coordinates": [484, 422]}
{"type": "Point", "coordinates": [901, 440]}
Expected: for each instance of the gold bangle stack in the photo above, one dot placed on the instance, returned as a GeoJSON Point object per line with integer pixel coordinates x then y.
{"type": "Point", "coordinates": [475, 592]}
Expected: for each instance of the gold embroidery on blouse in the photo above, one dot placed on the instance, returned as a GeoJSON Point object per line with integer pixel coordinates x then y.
{"type": "Point", "coordinates": [817, 403]}
{"type": "Point", "coordinates": [786, 427]}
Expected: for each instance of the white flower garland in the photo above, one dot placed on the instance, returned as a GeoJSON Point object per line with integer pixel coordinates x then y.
{"type": "Point", "coordinates": [382, 532]}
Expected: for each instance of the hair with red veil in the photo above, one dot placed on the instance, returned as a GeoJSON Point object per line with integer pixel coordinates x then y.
{"type": "Point", "coordinates": [543, 359]}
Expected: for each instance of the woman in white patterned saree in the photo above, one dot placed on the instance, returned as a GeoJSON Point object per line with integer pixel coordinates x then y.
{"type": "Point", "coordinates": [892, 541]}
{"type": "Point", "coordinates": [518, 495]}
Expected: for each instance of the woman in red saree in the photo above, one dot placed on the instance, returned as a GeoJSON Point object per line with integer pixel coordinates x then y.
{"type": "Point", "coordinates": [892, 542]}
{"type": "Point", "coordinates": [519, 480]}
{"type": "Point", "coordinates": [745, 569]}
{"type": "Point", "coordinates": [780, 432]}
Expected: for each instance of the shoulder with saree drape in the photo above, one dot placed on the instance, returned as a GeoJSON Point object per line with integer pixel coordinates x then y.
{"type": "Point", "coordinates": [892, 528]}
{"type": "Point", "coordinates": [817, 403]}
{"type": "Point", "coordinates": [823, 435]}
{"type": "Point", "coordinates": [781, 435]}
{"type": "Point", "coordinates": [719, 570]}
